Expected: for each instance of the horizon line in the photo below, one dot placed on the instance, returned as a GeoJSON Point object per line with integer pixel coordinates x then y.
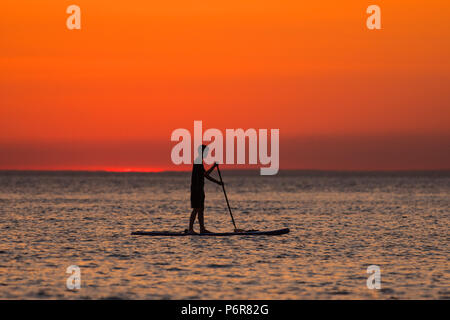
{"type": "Point", "coordinates": [129, 170]}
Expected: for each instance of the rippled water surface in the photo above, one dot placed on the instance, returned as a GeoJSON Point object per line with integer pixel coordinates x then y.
{"type": "Point", "coordinates": [340, 224]}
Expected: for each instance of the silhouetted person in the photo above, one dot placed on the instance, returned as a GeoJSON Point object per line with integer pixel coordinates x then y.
{"type": "Point", "coordinates": [197, 190]}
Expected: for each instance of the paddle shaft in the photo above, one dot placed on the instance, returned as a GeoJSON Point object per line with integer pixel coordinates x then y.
{"type": "Point", "coordinates": [226, 198]}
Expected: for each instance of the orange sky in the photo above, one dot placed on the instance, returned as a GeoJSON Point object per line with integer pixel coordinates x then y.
{"type": "Point", "coordinates": [110, 94]}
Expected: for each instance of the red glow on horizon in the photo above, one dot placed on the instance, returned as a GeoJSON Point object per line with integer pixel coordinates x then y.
{"type": "Point", "coordinates": [90, 169]}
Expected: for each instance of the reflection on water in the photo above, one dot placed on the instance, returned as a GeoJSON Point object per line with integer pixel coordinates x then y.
{"type": "Point", "coordinates": [340, 224]}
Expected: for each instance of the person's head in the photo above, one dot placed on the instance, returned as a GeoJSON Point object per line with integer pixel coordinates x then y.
{"type": "Point", "coordinates": [204, 150]}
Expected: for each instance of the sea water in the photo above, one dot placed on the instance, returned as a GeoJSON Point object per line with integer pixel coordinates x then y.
{"type": "Point", "coordinates": [341, 223]}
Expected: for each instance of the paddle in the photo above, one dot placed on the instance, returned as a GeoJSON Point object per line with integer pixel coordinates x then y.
{"type": "Point", "coordinates": [228, 204]}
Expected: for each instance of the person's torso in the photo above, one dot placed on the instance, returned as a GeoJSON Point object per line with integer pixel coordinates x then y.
{"type": "Point", "coordinates": [198, 177]}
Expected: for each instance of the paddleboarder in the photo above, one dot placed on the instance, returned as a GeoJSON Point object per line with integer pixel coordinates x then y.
{"type": "Point", "coordinates": [197, 190]}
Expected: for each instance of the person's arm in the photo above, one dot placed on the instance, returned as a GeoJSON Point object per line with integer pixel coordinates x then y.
{"type": "Point", "coordinates": [207, 172]}
{"type": "Point", "coordinates": [207, 176]}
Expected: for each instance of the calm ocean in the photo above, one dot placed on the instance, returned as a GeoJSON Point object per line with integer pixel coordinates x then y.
{"type": "Point", "coordinates": [340, 224]}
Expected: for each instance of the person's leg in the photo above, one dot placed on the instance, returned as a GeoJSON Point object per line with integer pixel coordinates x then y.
{"type": "Point", "coordinates": [192, 219]}
{"type": "Point", "coordinates": [201, 221]}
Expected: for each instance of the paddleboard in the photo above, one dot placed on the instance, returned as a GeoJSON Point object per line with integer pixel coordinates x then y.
{"type": "Point", "coordinates": [214, 234]}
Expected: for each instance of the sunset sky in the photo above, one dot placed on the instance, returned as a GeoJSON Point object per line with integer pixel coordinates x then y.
{"type": "Point", "coordinates": [108, 96]}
